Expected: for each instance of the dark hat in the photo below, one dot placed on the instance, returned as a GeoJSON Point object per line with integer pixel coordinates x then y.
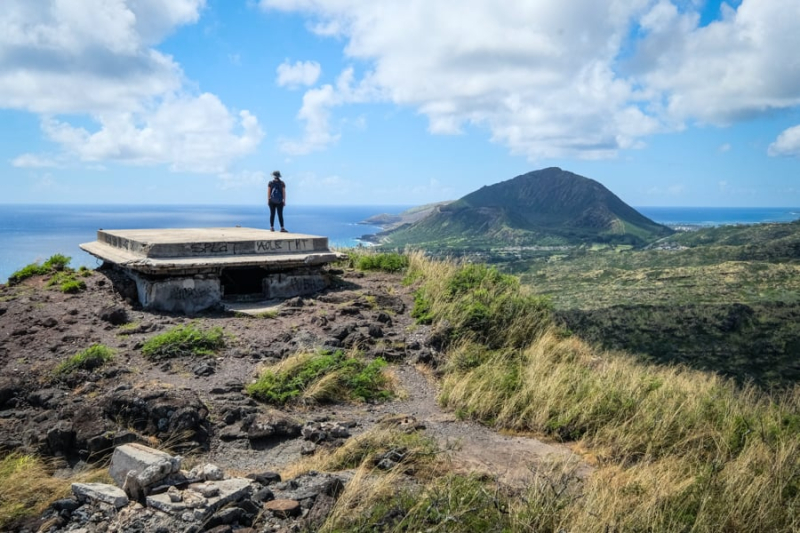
{"type": "Point", "coordinates": [276, 173]}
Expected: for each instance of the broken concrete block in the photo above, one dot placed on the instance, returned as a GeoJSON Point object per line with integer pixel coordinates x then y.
{"type": "Point", "coordinates": [174, 495]}
{"type": "Point", "coordinates": [227, 491]}
{"type": "Point", "coordinates": [155, 473]}
{"type": "Point", "coordinates": [138, 458]}
{"type": "Point", "coordinates": [100, 492]}
{"type": "Point", "coordinates": [132, 488]}
{"type": "Point", "coordinates": [207, 472]}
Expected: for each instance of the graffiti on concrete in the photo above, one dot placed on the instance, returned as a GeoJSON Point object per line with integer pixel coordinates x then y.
{"type": "Point", "coordinates": [116, 242]}
{"type": "Point", "coordinates": [293, 245]}
{"type": "Point", "coordinates": [289, 285]}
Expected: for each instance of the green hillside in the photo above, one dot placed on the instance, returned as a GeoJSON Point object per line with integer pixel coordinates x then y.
{"type": "Point", "coordinates": [545, 207]}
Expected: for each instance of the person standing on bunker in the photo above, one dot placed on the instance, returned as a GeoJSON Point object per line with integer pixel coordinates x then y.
{"type": "Point", "coordinates": [276, 198]}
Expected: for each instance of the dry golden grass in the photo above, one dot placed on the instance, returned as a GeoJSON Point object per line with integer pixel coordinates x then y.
{"type": "Point", "coordinates": [361, 494]}
{"type": "Point", "coordinates": [678, 450]}
{"type": "Point", "coordinates": [27, 486]}
{"type": "Point", "coordinates": [419, 450]}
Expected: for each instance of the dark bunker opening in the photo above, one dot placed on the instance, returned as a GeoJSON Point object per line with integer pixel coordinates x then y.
{"type": "Point", "coordinates": [243, 282]}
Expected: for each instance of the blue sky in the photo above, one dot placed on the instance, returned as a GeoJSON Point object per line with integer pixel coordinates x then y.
{"type": "Point", "coordinates": [665, 102]}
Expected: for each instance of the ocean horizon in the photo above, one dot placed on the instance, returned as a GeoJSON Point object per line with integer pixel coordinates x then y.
{"type": "Point", "coordinates": [33, 232]}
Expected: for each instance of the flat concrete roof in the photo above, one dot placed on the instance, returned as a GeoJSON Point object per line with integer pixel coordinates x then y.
{"type": "Point", "coordinates": [162, 251]}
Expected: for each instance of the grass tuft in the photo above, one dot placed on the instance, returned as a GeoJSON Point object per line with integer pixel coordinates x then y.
{"type": "Point", "coordinates": [381, 261]}
{"type": "Point", "coordinates": [476, 303]}
{"type": "Point", "coordinates": [182, 341]}
{"type": "Point", "coordinates": [54, 264]}
{"type": "Point", "coordinates": [92, 357]}
{"type": "Point", "coordinates": [322, 377]}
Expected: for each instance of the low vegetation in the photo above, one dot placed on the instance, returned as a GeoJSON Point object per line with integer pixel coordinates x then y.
{"type": "Point", "coordinates": [92, 357]}
{"type": "Point", "coordinates": [27, 487]}
{"type": "Point", "coordinates": [380, 261]}
{"type": "Point", "coordinates": [61, 276]}
{"type": "Point", "coordinates": [475, 302]}
{"type": "Point", "coordinates": [722, 299]}
{"type": "Point", "coordinates": [185, 340]}
{"type": "Point", "coordinates": [412, 451]}
{"type": "Point", "coordinates": [322, 377]}
{"type": "Point", "coordinates": [677, 449]}
{"type": "Point", "coordinates": [56, 263]}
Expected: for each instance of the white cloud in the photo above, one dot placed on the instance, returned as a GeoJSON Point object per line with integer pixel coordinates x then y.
{"type": "Point", "coordinates": [77, 56]}
{"type": "Point", "coordinates": [187, 133]}
{"type": "Point", "coordinates": [735, 68]}
{"type": "Point", "coordinates": [725, 147]}
{"type": "Point", "coordinates": [558, 79]}
{"type": "Point", "coordinates": [33, 161]}
{"type": "Point", "coordinates": [96, 58]}
{"type": "Point", "coordinates": [787, 143]}
{"type": "Point", "coordinates": [301, 73]}
{"type": "Point", "coordinates": [312, 188]}
{"type": "Point", "coordinates": [316, 112]}
{"type": "Point", "coordinates": [243, 179]}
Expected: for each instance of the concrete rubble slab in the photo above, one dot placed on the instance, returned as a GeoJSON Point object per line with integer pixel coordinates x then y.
{"type": "Point", "coordinates": [138, 458]}
{"type": "Point", "coordinates": [100, 492]}
{"type": "Point", "coordinates": [229, 490]}
{"type": "Point", "coordinates": [160, 251]}
{"type": "Point", "coordinates": [189, 270]}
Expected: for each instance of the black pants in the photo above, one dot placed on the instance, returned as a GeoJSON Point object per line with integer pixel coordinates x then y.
{"type": "Point", "coordinates": [272, 209]}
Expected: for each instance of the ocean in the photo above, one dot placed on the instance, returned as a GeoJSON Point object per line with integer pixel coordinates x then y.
{"type": "Point", "coordinates": [30, 233]}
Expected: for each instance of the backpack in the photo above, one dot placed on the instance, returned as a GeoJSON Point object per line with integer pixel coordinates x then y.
{"type": "Point", "coordinates": [276, 194]}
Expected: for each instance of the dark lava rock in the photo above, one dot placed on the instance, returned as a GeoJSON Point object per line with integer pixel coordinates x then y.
{"type": "Point", "coordinates": [8, 390]}
{"type": "Point", "coordinates": [265, 478]}
{"type": "Point", "coordinates": [272, 425]}
{"type": "Point", "coordinates": [46, 398]}
{"type": "Point", "coordinates": [162, 413]}
{"type": "Point", "coordinates": [341, 332]}
{"type": "Point", "coordinates": [116, 316]}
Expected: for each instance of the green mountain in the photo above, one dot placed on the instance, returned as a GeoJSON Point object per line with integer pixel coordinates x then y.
{"type": "Point", "coordinates": [544, 207]}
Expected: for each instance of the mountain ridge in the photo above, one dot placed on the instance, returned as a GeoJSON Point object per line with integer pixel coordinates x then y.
{"type": "Point", "coordinates": [550, 206]}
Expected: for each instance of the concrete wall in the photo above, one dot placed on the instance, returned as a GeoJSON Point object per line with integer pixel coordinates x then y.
{"type": "Point", "coordinates": [187, 295]}
{"type": "Point", "coordinates": [295, 283]}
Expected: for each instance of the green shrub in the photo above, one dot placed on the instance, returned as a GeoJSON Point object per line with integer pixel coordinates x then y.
{"type": "Point", "coordinates": [475, 276]}
{"type": "Point", "coordinates": [25, 273]}
{"type": "Point", "coordinates": [66, 281]}
{"type": "Point", "coordinates": [72, 286]}
{"type": "Point", "coordinates": [182, 341]}
{"type": "Point", "coordinates": [386, 262]}
{"type": "Point", "coordinates": [92, 357]}
{"type": "Point", "coordinates": [322, 377]}
{"type": "Point", "coordinates": [479, 303]}
{"type": "Point", "coordinates": [57, 262]}
{"type": "Point", "coordinates": [54, 264]}
{"type": "Point", "coordinates": [421, 311]}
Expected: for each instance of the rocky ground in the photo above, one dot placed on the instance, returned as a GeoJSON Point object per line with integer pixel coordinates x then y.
{"type": "Point", "coordinates": [197, 406]}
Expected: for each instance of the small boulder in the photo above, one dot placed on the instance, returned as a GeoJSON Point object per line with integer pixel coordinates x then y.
{"type": "Point", "coordinates": [116, 316]}
{"type": "Point", "coordinates": [100, 492]}
{"type": "Point", "coordinates": [283, 508]}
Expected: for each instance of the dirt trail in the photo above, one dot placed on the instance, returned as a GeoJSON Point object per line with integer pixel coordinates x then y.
{"type": "Point", "coordinates": [475, 447]}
